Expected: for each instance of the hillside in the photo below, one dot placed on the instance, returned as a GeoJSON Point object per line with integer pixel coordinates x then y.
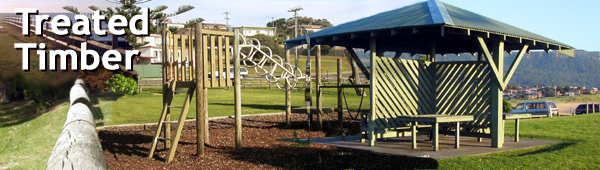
{"type": "Point", "coordinates": [540, 68]}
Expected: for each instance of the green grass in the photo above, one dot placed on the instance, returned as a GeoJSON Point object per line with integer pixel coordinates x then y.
{"type": "Point", "coordinates": [27, 144]}
{"type": "Point", "coordinates": [147, 106]}
{"type": "Point", "coordinates": [580, 148]}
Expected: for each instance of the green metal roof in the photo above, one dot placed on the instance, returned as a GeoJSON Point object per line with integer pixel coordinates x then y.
{"type": "Point", "coordinates": [430, 17]}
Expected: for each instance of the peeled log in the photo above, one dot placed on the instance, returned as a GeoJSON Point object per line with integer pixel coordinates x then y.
{"type": "Point", "coordinates": [78, 146]}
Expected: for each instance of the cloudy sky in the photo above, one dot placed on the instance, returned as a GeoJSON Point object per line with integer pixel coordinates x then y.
{"type": "Point", "coordinates": [575, 23]}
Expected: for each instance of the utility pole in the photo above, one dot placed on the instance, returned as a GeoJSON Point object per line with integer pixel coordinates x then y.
{"type": "Point", "coordinates": [272, 21]}
{"type": "Point", "coordinates": [227, 19]}
{"type": "Point", "coordinates": [295, 11]}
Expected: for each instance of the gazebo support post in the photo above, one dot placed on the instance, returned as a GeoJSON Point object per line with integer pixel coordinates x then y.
{"type": "Point", "coordinates": [371, 126]}
{"type": "Point", "coordinates": [496, 90]}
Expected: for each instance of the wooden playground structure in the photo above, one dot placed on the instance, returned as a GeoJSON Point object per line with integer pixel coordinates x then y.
{"type": "Point", "coordinates": [188, 67]}
{"type": "Point", "coordinates": [197, 62]}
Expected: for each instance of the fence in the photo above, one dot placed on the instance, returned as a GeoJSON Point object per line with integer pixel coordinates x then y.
{"type": "Point", "coordinates": [148, 71]}
{"type": "Point", "coordinates": [78, 146]}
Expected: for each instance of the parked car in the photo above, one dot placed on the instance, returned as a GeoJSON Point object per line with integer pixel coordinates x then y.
{"type": "Point", "coordinates": [243, 72]}
{"type": "Point", "coordinates": [581, 108]}
{"type": "Point", "coordinates": [536, 108]}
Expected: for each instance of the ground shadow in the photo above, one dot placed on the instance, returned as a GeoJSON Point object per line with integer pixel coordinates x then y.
{"type": "Point", "coordinates": [95, 108]}
{"type": "Point", "coordinates": [555, 147]}
{"type": "Point", "coordinates": [256, 106]}
{"type": "Point", "coordinates": [125, 143]}
{"type": "Point", "coordinates": [331, 126]}
{"type": "Point", "coordinates": [15, 113]}
{"type": "Point", "coordinates": [292, 157]}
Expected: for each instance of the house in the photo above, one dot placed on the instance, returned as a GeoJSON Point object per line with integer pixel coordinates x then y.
{"type": "Point", "coordinates": [575, 91]}
{"type": "Point", "coordinates": [251, 31]}
{"type": "Point", "coordinates": [215, 26]}
{"type": "Point", "coordinates": [150, 53]}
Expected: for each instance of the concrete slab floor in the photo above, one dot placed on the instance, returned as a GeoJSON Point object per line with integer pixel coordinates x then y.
{"type": "Point", "coordinates": [402, 145]}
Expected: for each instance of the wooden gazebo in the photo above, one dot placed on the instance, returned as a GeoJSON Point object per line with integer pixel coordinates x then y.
{"type": "Point", "coordinates": [401, 87]}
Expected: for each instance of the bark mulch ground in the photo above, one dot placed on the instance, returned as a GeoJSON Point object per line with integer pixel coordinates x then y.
{"type": "Point", "coordinates": [127, 147]}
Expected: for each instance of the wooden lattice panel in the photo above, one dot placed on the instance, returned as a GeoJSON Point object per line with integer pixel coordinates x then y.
{"type": "Point", "coordinates": [403, 87]}
{"type": "Point", "coordinates": [464, 89]}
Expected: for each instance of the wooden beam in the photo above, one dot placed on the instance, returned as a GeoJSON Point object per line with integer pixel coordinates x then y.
{"type": "Point", "coordinates": [354, 35]}
{"type": "Point", "coordinates": [514, 65]}
{"type": "Point", "coordinates": [321, 40]}
{"type": "Point", "coordinates": [374, 33]}
{"type": "Point", "coordinates": [359, 63]}
{"type": "Point", "coordinates": [442, 30]}
{"type": "Point", "coordinates": [488, 57]}
{"type": "Point", "coordinates": [567, 52]}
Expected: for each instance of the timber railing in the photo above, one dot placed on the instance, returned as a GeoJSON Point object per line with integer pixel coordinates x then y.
{"type": "Point", "coordinates": [71, 41]}
{"type": "Point", "coordinates": [78, 146]}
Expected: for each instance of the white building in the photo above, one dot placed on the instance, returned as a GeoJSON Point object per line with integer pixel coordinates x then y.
{"type": "Point", "coordinates": [152, 52]}
{"type": "Point", "coordinates": [251, 31]}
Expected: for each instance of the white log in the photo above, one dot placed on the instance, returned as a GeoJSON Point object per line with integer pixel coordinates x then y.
{"type": "Point", "coordinates": [78, 146]}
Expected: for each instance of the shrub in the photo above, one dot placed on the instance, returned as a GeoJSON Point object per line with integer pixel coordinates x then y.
{"type": "Point", "coordinates": [123, 84]}
{"type": "Point", "coordinates": [506, 106]}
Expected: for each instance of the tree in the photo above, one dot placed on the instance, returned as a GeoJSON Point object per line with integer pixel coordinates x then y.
{"type": "Point", "coordinates": [192, 22]}
{"type": "Point", "coordinates": [285, 27]}
{"type": "Point", "coordinates": [129, 9]}
{"type": "Point", "coordinates": [566, 88]}
{"type": "Point", "coordinates": [174, 29]}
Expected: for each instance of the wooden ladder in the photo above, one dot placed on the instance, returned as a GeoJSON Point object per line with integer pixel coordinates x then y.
{"type": "Point", "coordinates": [170, 141]}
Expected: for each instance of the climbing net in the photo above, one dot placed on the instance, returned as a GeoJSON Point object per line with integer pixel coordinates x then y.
{"type": "Point", "coordinates": [285, 75]}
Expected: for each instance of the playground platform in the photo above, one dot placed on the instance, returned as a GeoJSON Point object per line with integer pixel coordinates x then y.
{"type": "Point", "coordinates": [402, 146]}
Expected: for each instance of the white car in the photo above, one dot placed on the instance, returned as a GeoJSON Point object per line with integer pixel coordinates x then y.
{"type": "Point", "coordinates": [536, 108]}
{"type": "Point", "coordinates": [243, 72]}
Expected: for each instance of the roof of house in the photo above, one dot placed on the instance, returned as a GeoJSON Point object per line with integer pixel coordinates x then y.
{"type": "Point", "coordinates": [418, 22]}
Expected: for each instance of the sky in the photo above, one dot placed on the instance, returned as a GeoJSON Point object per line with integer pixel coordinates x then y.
{"type": "Point", "coordinates": [575, 23]}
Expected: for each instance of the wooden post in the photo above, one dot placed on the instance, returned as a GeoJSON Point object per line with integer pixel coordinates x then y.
{"type": "Point", "coordinates": [457, 136]}
{"type": "Point", "coordinates": [516, 130]}
{"type": "Point", "coordinates": [319, 97]}
{"type": "Point", "coordinates": [288, 95]}
{"type": "Point", "coordinates": [340, 109]}
{"type": "Point", "coordinates": [496, 90]}
{"type": "Point", "coordinates": [413, 134]}
{"type": "Point", "coordinates": [371, 127]}
{"type": "Point", "coordinates": [237, 90]}
{"type": "Point", "coordinates": [436, 136]}
{"type": "Point", "coordinates": [200, 94]}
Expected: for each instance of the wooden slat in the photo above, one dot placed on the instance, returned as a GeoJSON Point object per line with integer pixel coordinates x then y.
{"type": "Point", "coordinates": [213, 61]}
{"type": "Point", "coordinates": [191, 58]}
{"type": "Point", "coordinates": [229, 82]}
{"type": "Point", "coordinates": [464, 89]}
{"type": "Point", "coordinates": [184, 57]}
{"type": "Point", "coordinates": [205, 62]}
{"type": "Point", "coordinates": [408, 101]}
{"type": "Point", "coordinates": [176, 56]}
{"type": "Point", "coordinates": [220, 60]}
